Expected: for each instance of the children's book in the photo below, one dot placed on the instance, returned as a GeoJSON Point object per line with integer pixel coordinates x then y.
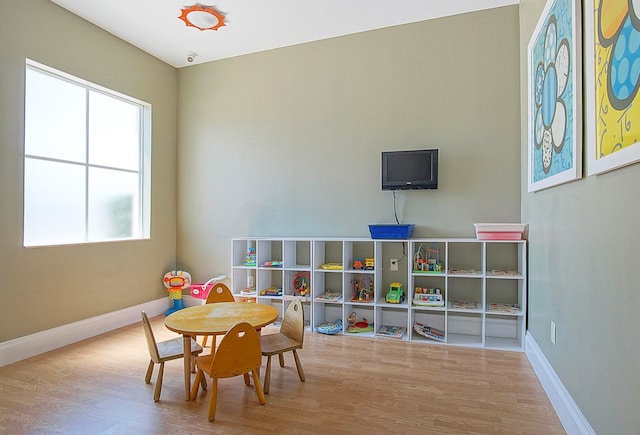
{"type": "Point", "coordinates": [465, 305]}
{"type": "Point", "coordinates": [504, 308]}
{"type": "Point", "coordinates": [391, 331]}
{"type": "Point", "coordinates": [329, 296]}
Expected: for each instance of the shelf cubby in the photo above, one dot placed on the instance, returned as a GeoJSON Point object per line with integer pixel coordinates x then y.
{"type": "Point", "coordinates": [490, 274]}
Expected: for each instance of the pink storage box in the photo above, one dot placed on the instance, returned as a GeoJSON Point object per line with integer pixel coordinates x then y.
{"type": "Point", "coordinates": [500, 235]}
{"type": "Point", "coordinates": [496, 231]}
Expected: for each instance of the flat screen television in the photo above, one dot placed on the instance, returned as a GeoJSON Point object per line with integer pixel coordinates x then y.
{"type": "Point", "coordinates": [407, 170]}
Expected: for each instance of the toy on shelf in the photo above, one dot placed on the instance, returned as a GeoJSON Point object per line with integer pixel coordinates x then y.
{"type": "Point", "coordinates": [369, 263]}
{"type": "Point", "coordinates": [358, 326]}
{"type": "Point", "coordinates": [358, 263]}
{"type": "Point", "coordinates": [428, 297]}
{"type": "Point", "coordinates": [271, 291]}
{"type": "Point", "coordinates": [427, 260]}
{"type": "Point", "coordinates": [272, 263]}
{"type": "Point", "coordinates": [466, 305]}
{"type": "Point", "coordinates": [250, 260]}
{"type": "Point", "coordinates": [329, 328]}
{"type": "Point", "coordinates": [175, 281]}
{"type": "Point", "coordinates": [248, 295]}
{"type": "Point", "coordinates": [329, 296]}
{"type": "Point", "coordinates": [429, 332]}
{"type": "Point", "coordinates": [331, 266]}
{"type": "Point", "coordinates": [391, 331]}
{"type": "Point", "coordinates": [504, 308]}
{"type": "Point", "coordinates": [460, 271]}
{"type": "Point", "coordinates": [362, 289]}
{"type": "Point", "coordinates": [301, 285]}
{"type": "Point", "coordinates": [395, 295]}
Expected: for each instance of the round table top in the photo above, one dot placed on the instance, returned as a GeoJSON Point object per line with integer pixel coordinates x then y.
{"type": "Point", "coordinates": [218, 318]}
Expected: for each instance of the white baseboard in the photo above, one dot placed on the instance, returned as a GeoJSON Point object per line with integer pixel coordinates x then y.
{"type": "Point", "coordinates": [30, 345]}
{"type": "Point", "coordinates": [570, 415]}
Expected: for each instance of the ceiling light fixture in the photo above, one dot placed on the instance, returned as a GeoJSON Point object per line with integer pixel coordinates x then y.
{"type": "Point", "coordinates": [202, 17]}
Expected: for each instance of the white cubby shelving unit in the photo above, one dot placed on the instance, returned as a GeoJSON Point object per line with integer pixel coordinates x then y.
{"type": "Point", "coordinates": [482, 284]}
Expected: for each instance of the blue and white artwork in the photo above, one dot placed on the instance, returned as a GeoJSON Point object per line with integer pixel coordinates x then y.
{"type": "Point", "coordinates": [554, 95]}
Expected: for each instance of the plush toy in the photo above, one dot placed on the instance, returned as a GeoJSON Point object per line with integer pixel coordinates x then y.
{"type": "Point", "coordinates": [175, 281]}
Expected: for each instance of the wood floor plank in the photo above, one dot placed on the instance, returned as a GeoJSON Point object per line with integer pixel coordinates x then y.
{"type": "Point", "coordinates": [353, 385]}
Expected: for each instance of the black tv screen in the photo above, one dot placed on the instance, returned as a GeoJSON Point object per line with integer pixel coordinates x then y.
{"type": "Point", "coordinates": [405, 170]}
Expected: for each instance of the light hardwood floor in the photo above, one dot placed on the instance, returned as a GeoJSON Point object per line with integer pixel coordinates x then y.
{"type": "Point", "coordinates": [353, 385]}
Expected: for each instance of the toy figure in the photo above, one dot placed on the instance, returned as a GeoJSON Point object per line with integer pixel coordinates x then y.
{"type": "Point", "coordinates": [301, 284]}
{"type": "Point", "coordinates": [251, 257]}
{"type": "Point", "coordinates": [175, 281]}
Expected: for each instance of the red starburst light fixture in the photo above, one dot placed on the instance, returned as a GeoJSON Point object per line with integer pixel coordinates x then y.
{"type": "Point", "coordinates": [202, 17]}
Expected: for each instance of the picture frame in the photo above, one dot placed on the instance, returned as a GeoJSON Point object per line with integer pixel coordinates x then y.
{"type": "Point", "coordinates": [554, 59]}
{"type": "Point", "coordinates": [611, 89]}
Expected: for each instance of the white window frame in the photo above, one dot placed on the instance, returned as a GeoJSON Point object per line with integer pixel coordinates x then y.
{"type": "Point", "coordinates": [143, 222]}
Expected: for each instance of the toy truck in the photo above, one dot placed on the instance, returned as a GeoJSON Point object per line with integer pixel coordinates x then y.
{"type": "Point", "coordinates": [395, 294]}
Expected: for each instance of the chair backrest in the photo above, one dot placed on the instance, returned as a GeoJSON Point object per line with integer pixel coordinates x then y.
{"type": "Point", "coordinates": [151, 340]}
{"type": "Point", "coordinates": [238, 353]}
{"type": "Point", "coordinates": [220, 293]}
{"type": "Point", "coordinates": [293, 322]}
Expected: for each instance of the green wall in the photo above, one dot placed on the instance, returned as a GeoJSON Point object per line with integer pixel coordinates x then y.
{"type": "Point", "coordinates": [51, 286]}
{"type": "Point", "coordinates": [583, 254]}
{"type": "Point", "coordinates": [287, 142]}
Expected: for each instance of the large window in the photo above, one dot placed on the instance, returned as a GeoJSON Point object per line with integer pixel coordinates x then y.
{"type": "Point", "coordinates": [86, 161]}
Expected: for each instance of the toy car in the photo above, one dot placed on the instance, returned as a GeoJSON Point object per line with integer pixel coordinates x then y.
{"type": "Point", "coordinates": [369, 263]}
{"type": "Point", "coordinates": [395, 294]}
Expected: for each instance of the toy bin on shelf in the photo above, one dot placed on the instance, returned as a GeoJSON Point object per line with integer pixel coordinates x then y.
{"type": "Point", "coordinates": [391, 231]}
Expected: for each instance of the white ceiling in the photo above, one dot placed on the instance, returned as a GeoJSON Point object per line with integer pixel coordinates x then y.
{"type": "Point", "coordinates": [255, 25]}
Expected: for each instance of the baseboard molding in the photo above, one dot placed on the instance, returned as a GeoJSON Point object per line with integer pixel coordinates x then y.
{"type": "Point", "coordinates": [570, 415]}
{"type": "Point", "coordinates": [30, 345]}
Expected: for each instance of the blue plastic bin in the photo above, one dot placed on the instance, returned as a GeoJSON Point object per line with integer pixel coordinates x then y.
{"type": "Point", "coordinates": [391, 231]}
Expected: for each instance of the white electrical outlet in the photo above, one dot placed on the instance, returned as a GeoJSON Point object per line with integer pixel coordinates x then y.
{"type": "Point", "coordinates": [393, 264]}
{"type": "Point", "coordinates": [553, 332]}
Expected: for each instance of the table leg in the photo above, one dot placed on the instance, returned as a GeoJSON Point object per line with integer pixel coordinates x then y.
{"type": "Point", "coordinates": [187, 366]}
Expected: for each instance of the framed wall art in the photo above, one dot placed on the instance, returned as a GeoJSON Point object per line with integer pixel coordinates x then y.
{"type": "Point", "coordinates": [554, 96]}
{"type": "Point", "coordinates": [612, 37]}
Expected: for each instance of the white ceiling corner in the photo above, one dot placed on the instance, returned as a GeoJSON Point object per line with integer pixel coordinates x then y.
{"type": "Point", "coordinates": [255, 25]}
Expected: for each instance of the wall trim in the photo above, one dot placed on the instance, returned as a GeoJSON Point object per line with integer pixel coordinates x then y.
{"type": "Point", "coordinates": [571, 417]}
{"type": "Point", "coordinates": [31, 345]}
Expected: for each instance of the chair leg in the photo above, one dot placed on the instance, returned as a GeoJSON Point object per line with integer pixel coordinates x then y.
{"type": "Point", "coordinates": [203, 382]}
{"type": "Point", "coordinates": [267, 375]}
{"type": "Point", "coordinates": [259, 391]}
{"type": "Point", "coordinates": [147, 378]}
{"type": "Point", "coordinates": [204, 340]}
{"type": "Point", "coordinates": [281, 358]}
{"type": "Point", "coordinates": [298, 366]}
{"type": "Point", "coordinates": [156, 394]}
{"type": "Point", "coordinates": [213, 397]}
{"type": "Point", "coordinates": [196, 384]}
